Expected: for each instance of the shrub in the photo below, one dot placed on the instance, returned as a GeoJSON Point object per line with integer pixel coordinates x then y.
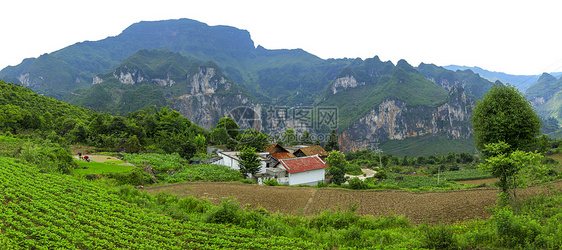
{"type": "Point", "coordinates": [353, 169]}
{"type": "Point", "coordinates": [380, 174]}
{"type": "Point", "coordinates": [336, 220]}
{"type": "Point", "coordinates": [227, 213]}
{"type": "Point", "coordinates": [438, 237]}
{"type": "Point", "coordinates": [515, 231]}
{"type": "Point", "coordinates": [356, 183]}
{"type": "Point", "coordinates": [136, 177]}
{"type": "Point", "coordinates": [271, 182]}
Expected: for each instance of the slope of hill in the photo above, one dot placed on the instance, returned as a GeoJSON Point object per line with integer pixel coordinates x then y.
{"type": "Point", "coordinates": [206, 72]}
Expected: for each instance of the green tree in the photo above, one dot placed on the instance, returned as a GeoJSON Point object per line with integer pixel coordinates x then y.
{"type": "Point", "coordinates": [252, 138]}
{"type": "Point", "coordinates": [337, 165]}
{"type": "Point", "coordinates": [306, 138]}
{"type": "Point", "coordinates": [513, 168]}
{"type": "Point", "coordinates": [332, 143]}
{"type": "Point", "coordinates": [249, 161]}
{"type": "Point", "coordinates": [232, 129]}
{"type": "Point", "coordinates": [10, 116]}
{"type": "Point", "coordinates": [505, 115]}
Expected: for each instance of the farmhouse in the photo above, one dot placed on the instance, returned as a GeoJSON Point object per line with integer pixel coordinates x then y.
{"type": "Point", "coordinates": [310, 151]}
{"type": "Point", "coordinates": [276, 153]}
{"type": "Point", "coordinates": [230, 159]}
{"type": "Point", "coordinates": [303, 170]}
{"type": "Point", "coordinates": [281, 164]}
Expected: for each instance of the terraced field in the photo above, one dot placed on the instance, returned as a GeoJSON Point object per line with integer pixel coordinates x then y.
{"type": "Point", "coordinates": [433, 207]}
{"type": "Point", "coordinates": [50, 211]}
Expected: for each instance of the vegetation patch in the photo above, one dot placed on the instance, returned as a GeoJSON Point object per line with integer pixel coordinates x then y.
{"type": "Point", "coordinates": [92, 167]}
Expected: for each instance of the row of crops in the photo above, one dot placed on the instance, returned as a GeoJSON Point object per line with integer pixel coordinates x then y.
{"type": "Point", "coordinates": [48, 211]}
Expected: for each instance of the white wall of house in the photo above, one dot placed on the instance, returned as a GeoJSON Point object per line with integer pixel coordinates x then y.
{"type": "Point", "coordinates": [307, 177]}
{"type": "Point", "coordinates": [233, 163]}
{"type": "Point", "coordinates": [227, 161]}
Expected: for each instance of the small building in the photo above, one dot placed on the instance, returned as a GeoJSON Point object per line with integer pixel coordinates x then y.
{"type": "Point", "coordinates": [230, 159]}
{"type": "Point", "coordinates": [277, 153]}
{"type": "Point", "coordinates": [310, 151]}
{"type": "Point", "coordinates": [303, 170]}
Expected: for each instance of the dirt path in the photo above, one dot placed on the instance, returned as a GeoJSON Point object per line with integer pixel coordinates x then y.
{"type": "Point", "coordinates": [433, 207]}
{"type": "Point", "coordinates": [368, 173]}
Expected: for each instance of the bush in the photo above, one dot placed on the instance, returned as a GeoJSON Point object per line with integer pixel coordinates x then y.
{"type": "Point", "coordinates": [515, 231]}
{"type": "Point", "coordinates": [227, 213]}
{"type": "Point", "coordinates": [271, 182]}
{"type": "Point", "coordinates": [336, 220]}
{"type": "Point", "coordinates": [48, 157]}
{"type": "Point", "coordinates": [438, 237]}
{"type": "Point", "coordinates": [136, 177]}
{"type": "Point", "coordinates": [356, 183]}
{"type": "Point", "coordinates": [380, 174]}
{"type": "Point", "coordinates": [353, 169]}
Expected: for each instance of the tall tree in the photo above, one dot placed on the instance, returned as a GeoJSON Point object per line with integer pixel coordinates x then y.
{"type": "Point", "coordinates": [249, 161]}
{"type": "Point", "coordinates": [505, 125]}
{"type": "Point", "coordinates": [232, 129]}
{"type": "Point", "coordinates": [505, 115]}
{"type": "Point", "coordinates": [337, 164]}
{"type": "Point", "coordinates": [333, 143]}
{"type": "Point", "coordinates": [253, 138]}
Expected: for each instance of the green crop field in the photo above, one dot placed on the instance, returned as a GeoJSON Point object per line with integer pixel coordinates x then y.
{"type": "Point", "coordinates": [108, 167]}
{"type": "Point", "coordinates": [50, 211]}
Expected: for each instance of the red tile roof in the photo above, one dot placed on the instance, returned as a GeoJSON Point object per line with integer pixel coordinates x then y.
{"type": "Point", "coordinates": [282, 155]}
{"type": "Point", "coordinates": [302, 164]}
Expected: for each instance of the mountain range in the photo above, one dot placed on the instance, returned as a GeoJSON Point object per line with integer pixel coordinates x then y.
{"type": "Point", "coordinates": [207, 72]}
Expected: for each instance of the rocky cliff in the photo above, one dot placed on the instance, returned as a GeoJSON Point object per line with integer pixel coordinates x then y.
{"type": "Point", "coordinates": [210, 97]}
{"type": "Point", "coordinates": [394, 120]}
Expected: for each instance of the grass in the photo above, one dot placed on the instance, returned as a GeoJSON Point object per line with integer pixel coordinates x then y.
{"type": "Point", "coordinates": [427, 145]}
{"type": "Point", "coordinates": [465, 174]}
{"type": "Point", "coordinates": [108, 167]}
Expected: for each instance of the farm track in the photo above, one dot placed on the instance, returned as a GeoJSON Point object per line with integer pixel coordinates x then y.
{"type": "Point", "coordinates": [431, 207]}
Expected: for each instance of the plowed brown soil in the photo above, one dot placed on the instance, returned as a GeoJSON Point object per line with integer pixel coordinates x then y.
{"type": "Point", "coordinates": [431, 207]}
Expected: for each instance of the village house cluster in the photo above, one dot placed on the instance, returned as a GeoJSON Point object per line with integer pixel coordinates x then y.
{"type": "Point", "coordinates": [293, 165]}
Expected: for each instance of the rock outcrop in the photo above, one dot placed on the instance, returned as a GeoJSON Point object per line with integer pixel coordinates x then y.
{"type": "Point", "coordinates": [344, 83]}
{"type": "Point", "coordinates": [210, 99]}
{"type": "Point", "coordinates": [394, 120]}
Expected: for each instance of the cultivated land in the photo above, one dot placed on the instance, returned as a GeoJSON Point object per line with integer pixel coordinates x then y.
{"type": "Point", "coordinates": [432, 207]}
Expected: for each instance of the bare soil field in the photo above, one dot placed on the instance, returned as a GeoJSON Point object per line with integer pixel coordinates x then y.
{"type": "Point", "coordinates": [431, 207]}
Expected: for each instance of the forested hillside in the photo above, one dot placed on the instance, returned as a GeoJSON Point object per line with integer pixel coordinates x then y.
{"type": "Point", "coordinates": [163, 129]}
{"type": "Point", "coordinates": [208, 72]}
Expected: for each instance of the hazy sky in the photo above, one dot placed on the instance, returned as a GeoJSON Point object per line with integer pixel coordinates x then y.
{"type": "Point", "coordinates": [516, 37]}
